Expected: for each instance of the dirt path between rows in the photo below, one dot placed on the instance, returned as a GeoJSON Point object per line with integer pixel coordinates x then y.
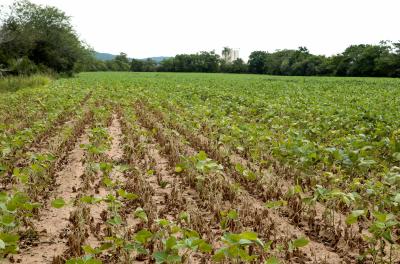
{"type": "Point", "coordinates": [53, 223]}
{"type": "Point", "coordinates": [170, 196]}
{"type": "Point", "coordinates": [99, 210]}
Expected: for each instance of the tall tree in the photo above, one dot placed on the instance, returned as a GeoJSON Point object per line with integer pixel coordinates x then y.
{"type": "Point", "coordinates": [149, 65]}
{"type": "Point", "coordinates": [137, 65]}
{"type": "Point", "coordinates": [41, 34]}
{"type": "Point", "coordinates": [257, 62]}
{"type": "Point", "coordinates": [122, 62]}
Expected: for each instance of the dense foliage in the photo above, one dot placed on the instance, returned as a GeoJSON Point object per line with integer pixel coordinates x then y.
{"type": "Point", "coordinates": [356, 60]}
{"type": "Point", "coordinates": [14, 83]}
{"type": "Point", "coordinates": [35, 38]}
{"type": "Point", "coordinates": [180, 168]}
{"type": "Point", "coordinates": [381, 60]}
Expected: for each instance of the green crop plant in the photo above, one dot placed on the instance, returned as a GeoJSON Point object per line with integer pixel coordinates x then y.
{"type": "Point", "coordinates": [320, 154]}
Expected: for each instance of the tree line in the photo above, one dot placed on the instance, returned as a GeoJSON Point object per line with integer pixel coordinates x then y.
{"type": "Point", "coordinates": [382, 60]}
{"type": "Point", "coordinates": [357, 60]}
{"type": "Point", "coordinates": [35, 38]}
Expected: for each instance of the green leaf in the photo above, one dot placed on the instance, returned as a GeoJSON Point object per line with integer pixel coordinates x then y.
{"type": "Point", "coordinates": [272, 260]}
{"type": "Point", "coordinates": [232, 214]}
{"type": "Point", "coordinates": [300, 242]}
{"type": "Point", "coordinates": [94, 261]}
{"type": "Point", "coordinates": [8, 220]}
{"type": "Point", "coordinates": [89, 250]}
{"type": "Point", "coordinates": [75, 261]}
{"type": "Point", "coordinates": [205, 247]}
{"type": "Point", "coordinates": [143, 236]}
{"type": "Point", "coordinates": [245, 242]}
{"type": "Point", "coordinates": [163, 222]}
{"type": "Point", "coordinates": [388, 236]}
{"type": "Point", "coordinates": [267, 246]}
{"type": "Point", "coordinates": [249, 175]}
{"type": "Point", "coordinates": [202, 155]}
{"type": "Point", "coordinates": [90, 199]}
{"type": "Point", "coordinates": [127, 195]}
{"type": "Point", "coordinates": [396, 156]}
{"type": "Point", "coordinates": [105, 246]}
{"type": "Point", "coordinates": [239, 168]}
{"type": "Point", "coordinates": [353, 217]}
{"type": "Point", "coordinates": [58, 203]}
{"type": "Point", "coordinates": [2, 244]}
{"type": "Point", "coordinates": [116, 220]}
{"type": "Point", "coordinates": [191, 233]}
{"type": "Point", "coordinates": [248, 235]}
{"type": "Point", "coordinates": [170, 242]}
{"type": "Point", "coordinates": [141, 214]}
{"type": "Point", "coordinates": [108, 182]}
{"type": "Point", "coordinates": [366, 163]}
{"type": "Point", "coordinates": [396, 198]}
{"type": "Point", "coordinates": [84, 260]}
{"type": "Point", "coordinates": [3, 167]}
{"type": "Point", "coordinates": [184, 216]}
{"type": "Point", "coordinates": [9, 238]}
{"type": "Point", "coordinates": [219, 255]}
{"type": "Point", "coordinates": [160, 257]}
{"type": "Point", "coordinates": [297, 189]}
{"type": "Point", "coordinates": [381, 217]}
{"type": "Point", "coordinates": [275, 204]}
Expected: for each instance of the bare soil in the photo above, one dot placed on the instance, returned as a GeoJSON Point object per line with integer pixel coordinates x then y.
{"type": "Point", "coordinates": [52, 224]}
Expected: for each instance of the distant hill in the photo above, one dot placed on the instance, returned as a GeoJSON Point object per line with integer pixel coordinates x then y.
{"type": "Point", "coordinates": [158, 59]}
{"type": "Point", "coordinates": [107, 56]}
{"type": "Point", "coordinates": [103, 56]}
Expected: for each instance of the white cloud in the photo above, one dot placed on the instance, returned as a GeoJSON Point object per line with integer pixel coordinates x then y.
{"type": "Point", "coordinates": [164, 28]}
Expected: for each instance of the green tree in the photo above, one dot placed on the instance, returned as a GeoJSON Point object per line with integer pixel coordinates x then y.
{"type": "Point", "coordinates": [237, 66]}
{"type": "Point", "coordinates": [257, 62]}
{"type": "Point", "coordinates": [136, 65]}
{"type": "Point", "coordinates": [149, 65]}
{"type": "Point", "coordinates": [40, 34]}
{"type": "Point", "coordinates": [167, 65]}
{"type": "Point", "coordinates": [88, 62]}
{"type": "Point", "coordinates": [122, 62]}
{"type": "Point", "coordinates": [367, 60]}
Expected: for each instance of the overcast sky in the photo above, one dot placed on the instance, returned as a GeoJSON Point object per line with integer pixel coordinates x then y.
{"type": "Point", "coordinates": [144, 28]}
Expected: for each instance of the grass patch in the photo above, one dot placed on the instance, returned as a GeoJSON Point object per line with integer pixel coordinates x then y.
{"type": "Point", "coordinates": [14, 83]}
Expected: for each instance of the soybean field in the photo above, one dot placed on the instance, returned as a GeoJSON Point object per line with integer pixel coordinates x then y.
{"type": "Point", "coordinates": [201, 168]}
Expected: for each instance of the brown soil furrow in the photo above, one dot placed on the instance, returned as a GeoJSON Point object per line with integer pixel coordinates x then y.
{"type": "Point", "coordinates": [96, 224]}
{"type": "Point", "coordinates": [86, 221]}
{"type": "Point", "coordinates": [114, 155]}
{"type": "Point", "coordinates": [53, 223]}
{"type": "Point", "coordinates": [176, 198]}
{"type": "Point", "coordinates": [170, 196]}
{"type": "Point", "coordinates": [161, 177]}
{"type": "Point", "coordinates": [314, 250]}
